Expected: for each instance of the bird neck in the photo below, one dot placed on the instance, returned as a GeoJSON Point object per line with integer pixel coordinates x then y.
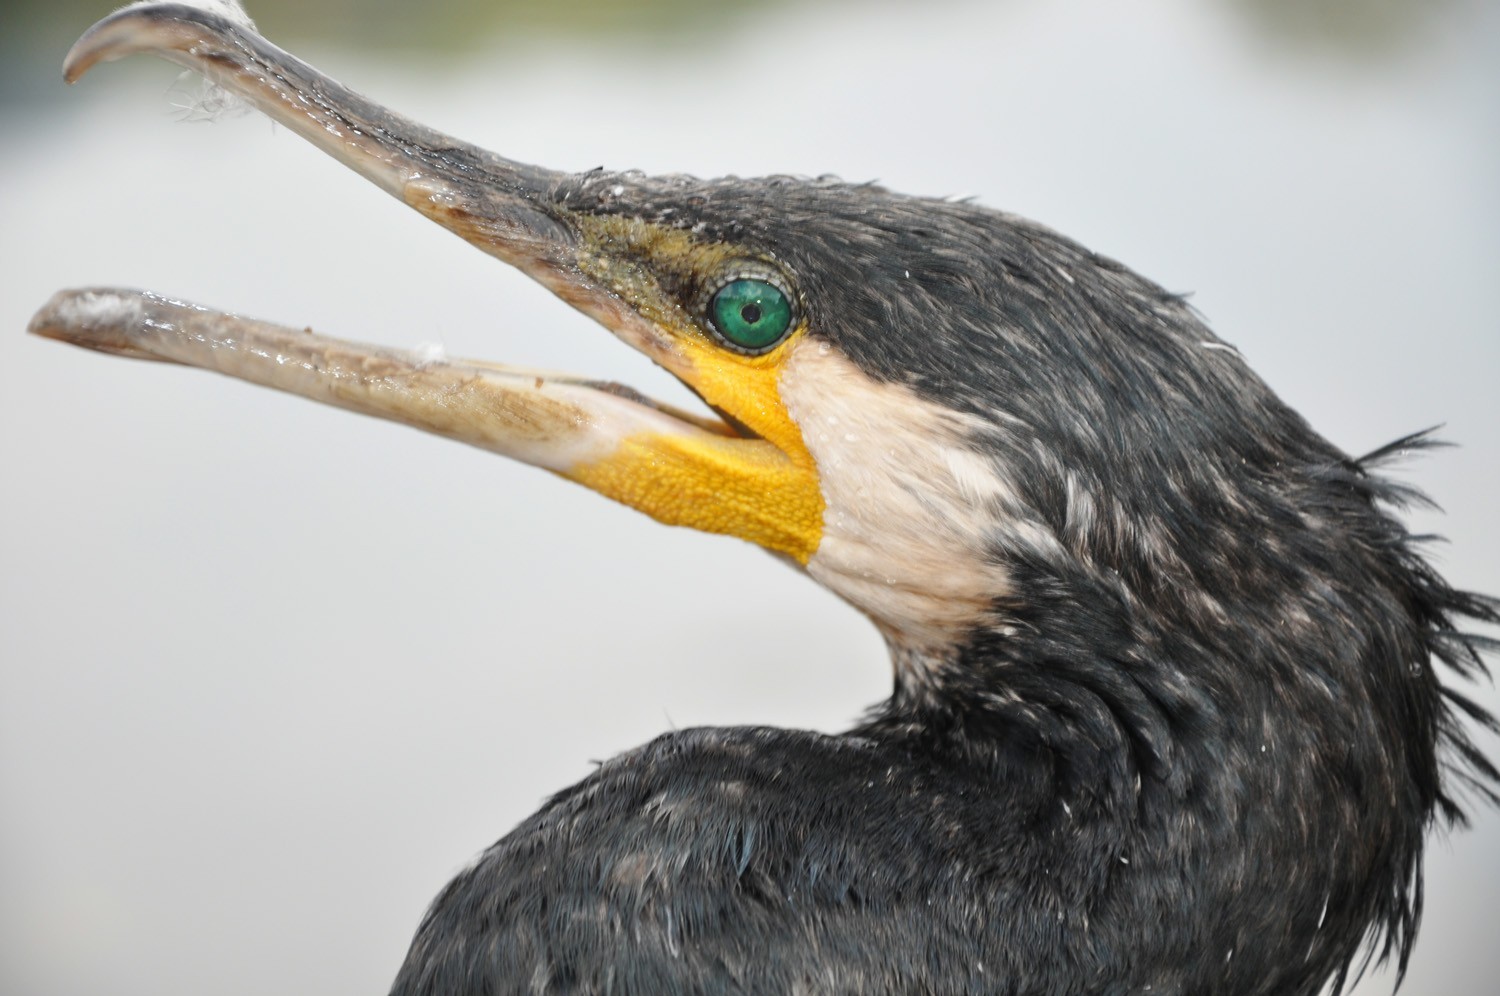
{"type": "Point", "coordinates": [1224, 695]}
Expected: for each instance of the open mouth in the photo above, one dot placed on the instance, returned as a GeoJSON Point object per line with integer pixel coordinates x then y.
{"type": "Point", "coordinates": [737, 474]}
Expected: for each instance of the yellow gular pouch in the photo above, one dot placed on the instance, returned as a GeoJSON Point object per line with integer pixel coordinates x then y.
{"type": "Point", "coordinates": [763, 490]}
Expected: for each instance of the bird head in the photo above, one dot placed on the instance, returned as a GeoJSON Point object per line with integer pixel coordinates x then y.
{"type": "Point", "coordinates": [909, 394]}
{"type": "Point", "coordinates": [813, 317]}
{"type": "Point", "coordinates": [993, 442]}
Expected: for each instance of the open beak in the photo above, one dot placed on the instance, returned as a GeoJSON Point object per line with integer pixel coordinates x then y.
{"type": "Point", "coordinates": [676, 467]}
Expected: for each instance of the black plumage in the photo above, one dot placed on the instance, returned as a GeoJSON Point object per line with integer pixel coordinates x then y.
{"type": "Point", "coordinates": [1196, 748]}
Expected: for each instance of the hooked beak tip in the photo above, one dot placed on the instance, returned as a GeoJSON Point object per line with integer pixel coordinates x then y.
{"type": "Point", "coordinates": [116, 36]}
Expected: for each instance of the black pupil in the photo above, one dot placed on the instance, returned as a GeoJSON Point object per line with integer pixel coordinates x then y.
{"type": "Point", "coordinates": [750, 313]}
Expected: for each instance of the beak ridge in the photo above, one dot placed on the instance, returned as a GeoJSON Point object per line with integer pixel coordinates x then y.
{"type": "Point", "coordinates": [498, 204]}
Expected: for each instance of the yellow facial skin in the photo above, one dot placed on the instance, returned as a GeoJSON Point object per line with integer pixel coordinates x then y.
{"type": "Point", "coordinates": [763, 490]}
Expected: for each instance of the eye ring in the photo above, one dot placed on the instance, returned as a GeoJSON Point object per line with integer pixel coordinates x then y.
{"type": "Point", "coordinates": [750, 311]}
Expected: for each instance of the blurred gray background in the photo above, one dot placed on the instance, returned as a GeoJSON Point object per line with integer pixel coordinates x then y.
{"type": "Point", "coordinates": [271, 673]}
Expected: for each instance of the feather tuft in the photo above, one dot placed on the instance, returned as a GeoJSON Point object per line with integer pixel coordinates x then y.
{"type": "Point", "coordinates": [195, 98]}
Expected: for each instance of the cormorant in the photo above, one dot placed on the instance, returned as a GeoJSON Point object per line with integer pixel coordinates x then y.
{"type": "Point", "coordinates": [1166, 714]}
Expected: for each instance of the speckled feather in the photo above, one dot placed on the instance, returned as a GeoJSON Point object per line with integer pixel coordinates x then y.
{"type": "Point", "coordinates": [1196, 746]}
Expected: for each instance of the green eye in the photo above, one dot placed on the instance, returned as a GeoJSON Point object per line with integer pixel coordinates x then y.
{"type": "Point", "coordinates": [751, 314]}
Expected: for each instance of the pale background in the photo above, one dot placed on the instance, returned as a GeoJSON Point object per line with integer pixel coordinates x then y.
{"type": "Point", "coordinates": [271, 673]}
